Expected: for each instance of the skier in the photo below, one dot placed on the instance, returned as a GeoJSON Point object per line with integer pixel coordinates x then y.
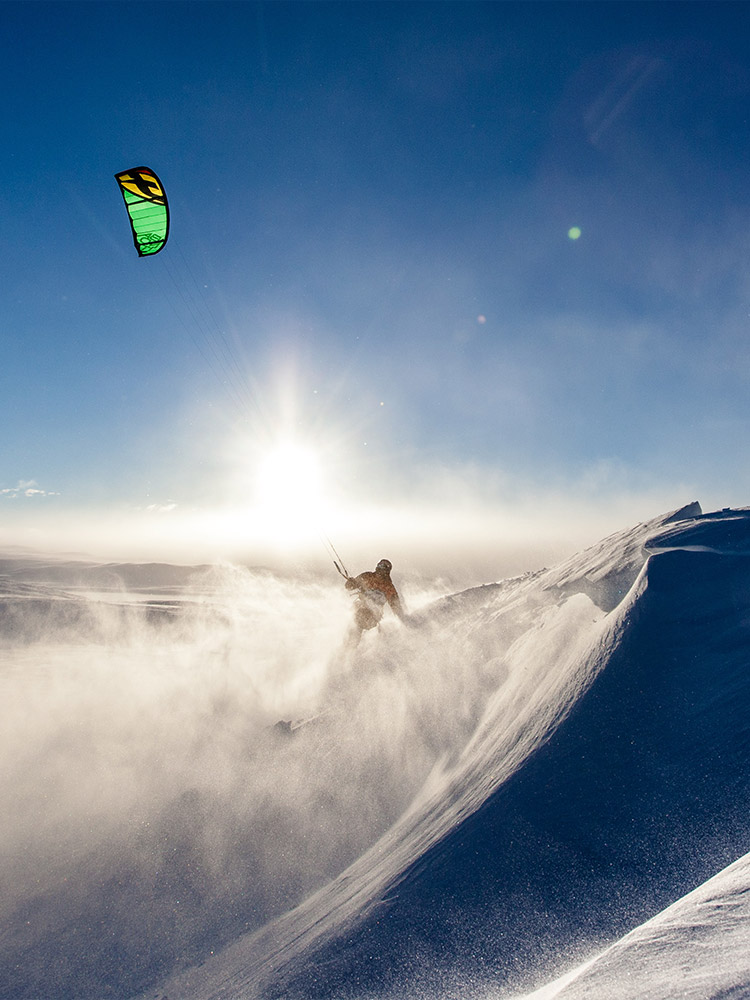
{"type": "Point", "coordinates": [374, 590]}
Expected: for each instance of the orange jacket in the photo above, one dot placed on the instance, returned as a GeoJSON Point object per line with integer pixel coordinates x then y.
{"type": "Point", "coordinates": [378, 587]}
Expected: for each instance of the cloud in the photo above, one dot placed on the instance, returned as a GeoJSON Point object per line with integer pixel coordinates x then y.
{"type": "Point", "coordinates": [161, 508]}
{"type": "Point", "coordinates": [26, 488]}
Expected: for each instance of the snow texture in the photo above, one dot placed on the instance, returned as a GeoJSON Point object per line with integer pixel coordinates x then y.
{"type": "Point", "coordinates": [540, 789]}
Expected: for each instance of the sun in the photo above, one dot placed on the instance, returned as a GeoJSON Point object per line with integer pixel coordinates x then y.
{"type": "Point", "coordinates": [286, 472]}
{"type": "Point", "coordinates": [289, 486]}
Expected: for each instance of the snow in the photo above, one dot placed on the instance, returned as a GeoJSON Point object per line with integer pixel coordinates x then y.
{"type": "Point", "coordinates": [540, 789]}
{"type": "Point", "coordinates": [697, 948]}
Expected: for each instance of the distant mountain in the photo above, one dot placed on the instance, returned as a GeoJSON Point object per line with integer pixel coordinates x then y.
{"type": "Point", "coordinates": [26, 566]}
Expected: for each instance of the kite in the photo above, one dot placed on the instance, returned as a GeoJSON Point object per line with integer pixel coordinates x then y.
{"type": "Point", "coordinates": [147, 207]}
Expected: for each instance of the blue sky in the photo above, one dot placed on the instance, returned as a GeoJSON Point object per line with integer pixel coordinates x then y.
{"type": "Point", "coordinates": [370, 288]}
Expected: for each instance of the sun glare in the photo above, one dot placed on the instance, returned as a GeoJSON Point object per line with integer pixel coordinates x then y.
{"type": "Point", "coordinates": [289, 489]}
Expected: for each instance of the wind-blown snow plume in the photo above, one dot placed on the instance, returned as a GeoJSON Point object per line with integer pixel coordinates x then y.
{"type": "Point", "coordinates": [154, 811]}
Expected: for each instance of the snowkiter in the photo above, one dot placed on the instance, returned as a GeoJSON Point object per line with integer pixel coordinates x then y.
{"type": "Point", "coordinates": [374, 591]}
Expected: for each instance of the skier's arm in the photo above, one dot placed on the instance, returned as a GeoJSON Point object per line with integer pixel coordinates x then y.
{"type": "Point", "coordinates": [395, 602]}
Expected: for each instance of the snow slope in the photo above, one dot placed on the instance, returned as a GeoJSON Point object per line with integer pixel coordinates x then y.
{"type": "Point", "coordinates": [607, 775]}
{"type": "Point", "coordinates": [696, 949]}
{"type": "Point", "coordinates": [528, 793]}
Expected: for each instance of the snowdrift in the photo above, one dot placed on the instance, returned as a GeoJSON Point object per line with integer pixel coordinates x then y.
{"type": "Point", "coordinates": [607, 776]}
{"type": "Point", "coordinates": [541, 788]}
{"type": "Point", "coordinates": [696, 949]}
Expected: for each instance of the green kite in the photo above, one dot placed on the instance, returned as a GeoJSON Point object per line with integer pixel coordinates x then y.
{"type": "Point", "coordinates": [147, 207]}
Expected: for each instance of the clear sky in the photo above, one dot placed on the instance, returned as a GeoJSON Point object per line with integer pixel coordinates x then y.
{"type": "Point", "coordinates": [437, 272]}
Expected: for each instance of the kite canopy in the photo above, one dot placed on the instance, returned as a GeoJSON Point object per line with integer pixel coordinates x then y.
{"type": "Point", "coordinates": [147, 207]}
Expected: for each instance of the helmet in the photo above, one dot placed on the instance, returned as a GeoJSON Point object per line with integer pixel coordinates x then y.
{"type": "Point", "coordinates": [384, 566]}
